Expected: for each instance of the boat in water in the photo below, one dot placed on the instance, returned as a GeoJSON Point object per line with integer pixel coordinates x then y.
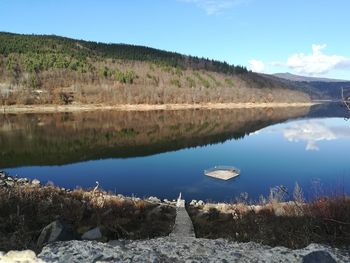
{"type": "Point", "coordinates": [222, 172]}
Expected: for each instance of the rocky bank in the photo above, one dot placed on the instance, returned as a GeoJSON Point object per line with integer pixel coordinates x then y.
{"type": "Point", "coordinates": [169, 249]}
{"type": "Point", "coordinates": [179, 246]}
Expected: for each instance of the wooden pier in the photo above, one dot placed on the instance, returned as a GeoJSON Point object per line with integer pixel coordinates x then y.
{"type": "Point", "coordinates": [183, 227]}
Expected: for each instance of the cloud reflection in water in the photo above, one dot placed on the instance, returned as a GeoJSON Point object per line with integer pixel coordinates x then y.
{"type": "Point", "coordinates": [313, 131]}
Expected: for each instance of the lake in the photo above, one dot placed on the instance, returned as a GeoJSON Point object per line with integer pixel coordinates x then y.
{"type": "Point", "coordinates": [162, 153]}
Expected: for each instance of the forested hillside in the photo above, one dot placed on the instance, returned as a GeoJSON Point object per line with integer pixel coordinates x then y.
{"type": "Point", "coordinates": [37, 69]}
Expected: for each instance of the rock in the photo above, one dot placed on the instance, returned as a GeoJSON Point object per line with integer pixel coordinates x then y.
{"type": "Point", "coordinates": [55, 231]}
{"type": "Point", "coordinates": [154, 199]}
{"type": "Point", "coordinates": [166, 201]}
{"type": "Point", "coordinates": [193, 202]}
{"type": "Point", "coordinates": [23, 180]}
{"type": "Point", "coordinates": [167, 249]}
{"type": "Point", "coordinates": [20, 257]}
{"type": "Point", "coordinates": [10, 183]}
{"type": "Point", "coordinates": [2, 175]}
{"type": "Point", "coordinates": [35, 182]}
{"type": "Point", "coordinates": [200, 203]}
{"type": "Point", "coordinates": [318, 257]}
{"type": "Point", "coordinates": [115, 243]}
{"type": "Point", "coordinates": [9, 179]}
{"type": "Point", "coordinates": [92, 234]}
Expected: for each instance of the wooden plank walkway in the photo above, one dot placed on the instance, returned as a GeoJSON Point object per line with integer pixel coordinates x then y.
{"type": "Point", "coordinates": [183, 227]}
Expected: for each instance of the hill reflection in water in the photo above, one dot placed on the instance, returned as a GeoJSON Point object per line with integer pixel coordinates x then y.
{"type": "Point", "coordinates": [163, 153]}
{"type": "Point", "coordinates": [62, 138]}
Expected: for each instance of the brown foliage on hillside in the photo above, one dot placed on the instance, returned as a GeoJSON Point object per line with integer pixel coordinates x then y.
{"type": "Point", "coordinates": [134, 82]}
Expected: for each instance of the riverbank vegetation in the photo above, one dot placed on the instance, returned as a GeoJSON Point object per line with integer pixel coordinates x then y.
{"type": "Point", "coordinates": [275, 222]}
{"type": "Point", "coordinates": [27, 207]}
{"type": "Point", "coordinates": [38, 69]}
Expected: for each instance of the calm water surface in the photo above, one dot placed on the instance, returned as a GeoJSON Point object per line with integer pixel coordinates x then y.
{"type": "Point", "coordinates": [163, 153]}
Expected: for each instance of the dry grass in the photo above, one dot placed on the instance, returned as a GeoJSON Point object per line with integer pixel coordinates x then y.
{"type": "Point", "coordinates": [289, 224]}
{"type": "Point", "coordinates": [26, 210]}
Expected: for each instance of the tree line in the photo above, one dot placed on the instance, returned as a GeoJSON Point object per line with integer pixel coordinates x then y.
{"type": "Point", "coordinates": [50, 52]}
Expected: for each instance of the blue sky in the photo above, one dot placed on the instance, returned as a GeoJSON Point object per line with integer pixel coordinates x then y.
{"type": "Point", "coordinates": [264, 35]}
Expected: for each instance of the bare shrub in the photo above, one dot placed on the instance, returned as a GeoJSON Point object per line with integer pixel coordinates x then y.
{"type": "Point", "coordinates": [278, 194]}
{"type": "Point", "coordinates": [298, 195]}
{"type": "Point", "coordinates": [67, 97]}
{"type": "Point", "coordinates": [327, 222]}
{"type": "Point", "coordinates": [25, 210]}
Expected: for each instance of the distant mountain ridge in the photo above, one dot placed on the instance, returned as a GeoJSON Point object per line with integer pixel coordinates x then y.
{"type": "Point", "coordinates": [316, 88]}
{"type": "Point", "coordinates": [294, 77]}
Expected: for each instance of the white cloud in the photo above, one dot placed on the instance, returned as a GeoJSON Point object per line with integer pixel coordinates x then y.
{"type": "Point", "coordinates": [212, 7]}
{"type": "Point", "coordinates": [314, 131]}
{"type": "Point", "coordinates": [256, 65]}
{"type": "Point", "coordinates": [316, 63]}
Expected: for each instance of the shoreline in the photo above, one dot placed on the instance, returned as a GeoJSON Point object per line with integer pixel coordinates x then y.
{"type": "Point", "coordinates": [77, 214]}
{"type": "Point", "coordinates": [94, 214]}
{"type": "Point", "coordinates": [145, 107]}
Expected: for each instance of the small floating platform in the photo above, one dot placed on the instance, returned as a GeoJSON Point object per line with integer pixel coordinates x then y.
{"type": "Point", "coordinates": [222, 172]}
